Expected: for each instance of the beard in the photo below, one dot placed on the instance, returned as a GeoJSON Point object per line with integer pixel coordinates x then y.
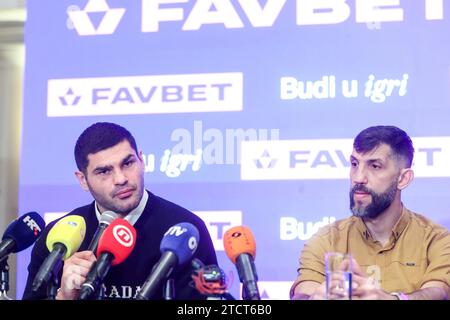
{"type": "Point", "coordinates": [380, 201]}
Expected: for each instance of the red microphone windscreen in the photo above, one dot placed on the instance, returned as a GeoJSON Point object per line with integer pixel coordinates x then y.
{"type": "Point", "coordinates": [118, 239]}
{"type": "Point", "coordinates": [239, 240]}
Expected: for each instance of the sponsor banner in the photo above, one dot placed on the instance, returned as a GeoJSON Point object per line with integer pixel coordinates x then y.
{"type": "Point", "coordinates": [329, 158]}
{"type": "Point", "coordinates": [198, 15]}
{"type": "Point", "coordinates": [177, 93]}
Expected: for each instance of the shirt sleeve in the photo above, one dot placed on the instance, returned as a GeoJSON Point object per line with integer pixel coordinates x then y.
{"type": "Point", "coordinates": [312, 259]}
{"type": "Point", "coordinates": [438, 255]}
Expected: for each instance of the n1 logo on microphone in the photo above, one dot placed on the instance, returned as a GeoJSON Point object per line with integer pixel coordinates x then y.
{"type": "Point", "coordinates": [192, 243]}
{"type": "Point", "coordinates": [32, 224]}
{"type": "Point", "coordinates": [175, 231]}
{"type": "Point", "coordinates": [123, 235]}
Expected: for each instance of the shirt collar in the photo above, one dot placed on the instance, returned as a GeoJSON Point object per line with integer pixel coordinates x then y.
{"type": "Point", "coordinates": [362, 228]}
{"type": "Point", "coordinates": [401, 223]}
{"type": "Point", "coordinates": [397, 230]}
{"type": "Point", "coordinates": [134, 215]}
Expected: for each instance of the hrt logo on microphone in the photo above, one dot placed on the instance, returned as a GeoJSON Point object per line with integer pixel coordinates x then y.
{"type": "Point", "coordinates": [123, 235]}
{"type": "Point", "coordinates": [32, 224]}
{"type": "Point", "coordinates": [218, 222]}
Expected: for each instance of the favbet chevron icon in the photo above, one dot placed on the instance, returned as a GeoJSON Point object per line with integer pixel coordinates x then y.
{"type": "Point", "coordinates": [97, 18]}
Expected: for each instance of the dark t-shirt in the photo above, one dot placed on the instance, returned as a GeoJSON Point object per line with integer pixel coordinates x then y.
{"type": "Point", "coordinates": [124, 280]}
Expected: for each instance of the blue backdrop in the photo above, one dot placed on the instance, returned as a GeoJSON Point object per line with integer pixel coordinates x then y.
{"type": "Point", "coordinates": [192, 80]}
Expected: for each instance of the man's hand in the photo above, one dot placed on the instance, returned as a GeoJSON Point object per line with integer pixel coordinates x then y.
{"type": "Point", "coordinates": [74, 274]}
{"type": "Point", "coordinates": [310, 290]}
{"type": "Point", "coordinates": [320, 293]}
{"type": "Point", "coordinates": [364, 287]}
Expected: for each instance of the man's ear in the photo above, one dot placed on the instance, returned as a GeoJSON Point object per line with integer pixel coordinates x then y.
{"type": "Point", "coordinates": [405, 178]}
{"type": "Point", "coordinates": [82, 180]}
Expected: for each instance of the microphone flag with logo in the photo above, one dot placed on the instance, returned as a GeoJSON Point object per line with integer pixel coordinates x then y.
{"type": "Point", "coordinates": [240, 248]}
{"type": "Point", "coordinates": [62, 241]}
{"type": "Point", "coordinates": [178, 245]}
{"type": "Point", "coordinates": [21, 233]}
{"type": "Point", "coordinates": [114, 247]}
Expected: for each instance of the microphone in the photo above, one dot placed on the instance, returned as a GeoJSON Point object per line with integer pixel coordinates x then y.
{"type": "Point", "coordinates": [114, 246]}
{"type": "Point", "coordinates": [210, 280]}
{"type": "Point", "coordinates": [62, 241]}
{"type": "Point", "coordinates": [21, 233]}
{"type": "Point", "coordinates": [105, 220]}
{"type": "Point", "coordinates": [178, 245]}
{"type": "Point", "coordinates": [240, 247]}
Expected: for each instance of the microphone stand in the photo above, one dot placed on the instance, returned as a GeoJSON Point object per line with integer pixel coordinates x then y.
{"type": "Point", "coordinates": [224, 296]}
{"type": "Point", "coordinates": [169, 289]}
{"type": "Point", "coordinates": [227, 296]}
{"type": "Point", "coordinates": [53, 284]}
{"type": "Point", "coordinates": [4, 279]}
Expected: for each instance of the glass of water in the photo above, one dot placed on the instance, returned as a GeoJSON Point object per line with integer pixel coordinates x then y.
{"type": "Point", "coordinates": [338, 273]}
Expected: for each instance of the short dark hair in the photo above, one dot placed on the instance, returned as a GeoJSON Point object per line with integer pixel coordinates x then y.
{"type": "Point", "coordinates": [396, 138]}
{"type": "Point", "coordinates": [98, 137]}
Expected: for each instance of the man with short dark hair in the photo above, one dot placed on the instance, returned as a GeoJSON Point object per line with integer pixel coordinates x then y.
{"type": "Point", "coordinates": [111, 168]}
{"type": "Point", "coordinates": [397, 254]}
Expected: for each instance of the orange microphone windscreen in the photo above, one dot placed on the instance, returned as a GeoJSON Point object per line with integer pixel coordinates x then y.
{"type": "Point", "coordinates": [239, 240]}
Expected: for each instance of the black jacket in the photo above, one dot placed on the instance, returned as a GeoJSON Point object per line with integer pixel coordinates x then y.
{"type": "Point", "coordinates": [123, 280]}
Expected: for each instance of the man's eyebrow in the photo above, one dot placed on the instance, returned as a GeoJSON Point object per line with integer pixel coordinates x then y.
{"type": "Point", "coordinates": [128, 158]}
{"type": "Point", "coordinates": [110, 167]}
{"type": "Point", "coordinates": [376, 160]}
{"type": "Point", "coordinates": [353, 158]}
{"type": "Point", "coordinates": [102, 168]}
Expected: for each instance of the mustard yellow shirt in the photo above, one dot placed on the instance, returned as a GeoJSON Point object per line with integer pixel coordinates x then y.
{"type": "Point", "coordinates": [418, 251]}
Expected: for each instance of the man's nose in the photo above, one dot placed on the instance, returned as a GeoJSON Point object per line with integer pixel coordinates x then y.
{"type": "Point", "coordinates": [120, 178]}
{"type": "Point", "coordinates": [359, 176]}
